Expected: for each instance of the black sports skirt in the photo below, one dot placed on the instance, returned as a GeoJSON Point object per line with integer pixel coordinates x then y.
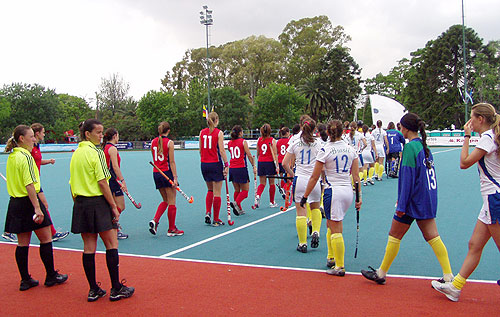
{"type": "Point", "coordinates": [20, 216]}
{"type": "Point", "coordinates": [92, 215]}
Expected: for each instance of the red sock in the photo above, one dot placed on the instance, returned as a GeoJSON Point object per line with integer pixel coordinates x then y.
{"type": "Point", "coordinates": [282, 183]}
{"type": "Point", "coordinates": [272, 191]}
{"type": "Point", "coordinates": [209, 201]}
{"type": "Point", "coordinates": [243, 194]}
{"type": "Point", "coordinates": [159, 212]}
{"type": "Point", "coordinates": [172, 211]}
{"type": "Point", "coordinates": [235, 196]}
{"type": "Point", "coordinates": [217, 203]}
{"type": "Point", "coordinates": [52, 229]}
{"type": "Point", "coordinates": [260, 189]}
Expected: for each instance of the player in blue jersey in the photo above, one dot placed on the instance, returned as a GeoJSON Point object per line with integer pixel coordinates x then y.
{"type": "Point", "coordinates": [396, 143]}
{"type": "Point", "coordinates": [417, 200]}
{"type": "Point", "coordinates": [485, 121]}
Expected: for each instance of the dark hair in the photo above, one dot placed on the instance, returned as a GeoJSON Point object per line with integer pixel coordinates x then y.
{"type": "Point", "coordinates": [379, 123]}
{"type": "Point", "coordinates": [14, 139]}
{"type": "Point", "coordinates": [307, 131]}
{"type": "Point", "coordinates": [360, 123]}
{"type": "Point", "coordinates": [108, 135]}
{"type": "Point", "coordinates": [284, 131]}
{"type": "Point", "coordinates": [391, 125]}
{"type": "Point", "coordinates": [365, 129]}
{"type": "Point", "coordinates": [37, 127]}
{"type": "Point", "coordinates": [87, 126]}
{"type": "Point", "coordinates": [412, 122]}
{"type": "Point", "coordinates": [353, 127]}
{"type": "Point", "coordinates": [235, 133]}
{"type": "Point", "coordinates": [163, 128]}
{"type": "Point", "coordinates": [322, 131]}
{"type": "Point", "coordinates": [296, 129]}
{"type": "Point", "coordinates": [265, 130]}
{"type": "Point", "coordinates": [304, 118]}
{"type": "Point", "coordinates": [399, 126]}
{"type": "Point", "coordinates": [335, 128]}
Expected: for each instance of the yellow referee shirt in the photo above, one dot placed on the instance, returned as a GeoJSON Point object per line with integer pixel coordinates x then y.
{"type": "Point", "coordinates": [88, 166]}
{"type": "Point", "coordinates": [21, 171]}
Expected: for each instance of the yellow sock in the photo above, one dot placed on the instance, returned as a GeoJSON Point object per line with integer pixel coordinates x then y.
{"type": "Point", "coordinates": [309, 214]}
{"type": "Point", "coordinates": [321, 202]}
{"type": "Point", "coordinates": [329, 244]}
{"type": "Point", "coordinates": [380, 170]}
{"type": "Point", "coordinates": [376, 167]}
{"type": "Point", "coordinates": [361, 176]}
{"type": "Point", "coordinates": [338, 249]}
{"type": "Point", "coordinates": [301, 224]}
{"type": "Point", "coordinates": [352, 181]}
{"type": "Point", "coordinates": [391, 250]}
{"type": "Point", "coordinates": [316, 220]}
{"type": "Point", "coordinates": [441, 254]}
{"type": "Point", "coordinates": [371, 171]}
{"type": "Point", "coordinates": [365, 175]}
{"type": "Point", "coordinates": [459, 281]}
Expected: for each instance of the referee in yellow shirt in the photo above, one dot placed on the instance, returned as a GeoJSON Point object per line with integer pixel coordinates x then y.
{"type": "Point", "coordinates": [25, 212]}
{"type": "Point", "coordinates": [94, 210]}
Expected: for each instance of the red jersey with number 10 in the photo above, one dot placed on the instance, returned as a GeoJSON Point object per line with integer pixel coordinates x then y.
{"type": "Point", "coordinates": [263, 148]}
{"type": "Point", "coordinates": [282, 145]}
{"type": "Point", "coordinates": [209, 146]}
{"type": "Point", "coordinates": [237, 152]}
{"type": "Point", "coordinates": [160, 159]}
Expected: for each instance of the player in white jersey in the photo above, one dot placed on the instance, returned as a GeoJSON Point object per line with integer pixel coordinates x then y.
{"type": "Point", "coordinates": [380, 137]}
{"type": "Point", "coordinates": [369, 155]}
{"type": "Point", "coordinates": [339, 161]}
{"type": "Point", "coordinates": [485, 121]}
{"type": "Point", "coordinates": [357, 141]}
{"type": "Point", "coordinates": [303, 152]}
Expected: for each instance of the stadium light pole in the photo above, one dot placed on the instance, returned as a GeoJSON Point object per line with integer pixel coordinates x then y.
{"type": "Point", "coordinates": [207, 20]}
{"type": "Point", "coordinates": [465, 94]}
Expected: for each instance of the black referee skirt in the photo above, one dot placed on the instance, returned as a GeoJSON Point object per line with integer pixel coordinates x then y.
{"type": "Point", "coordinates": [20, 216]}
{"type": "Point", "coordinates": [92, 215]}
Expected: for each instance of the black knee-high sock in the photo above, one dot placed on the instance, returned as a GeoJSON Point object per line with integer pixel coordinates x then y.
{"type": "Point", "coordinates": [22, 262]}
{"type": "Point", "coordinates": [112, 262]}
{"type": "Point", "coordinates": [47, 256]}
{"type": "Point", "coordinates": [88, 260]}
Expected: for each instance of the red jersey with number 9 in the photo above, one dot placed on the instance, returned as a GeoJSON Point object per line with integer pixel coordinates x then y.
{"type": "Point", "coordinates": [209, 146]}
{"type": "Point", "coordinates": [263, 149]}
{"type": "Point", "coordinates": [237, 152]}
{"type": "Point", "coordinates": [282, 145]}
{"type": "Point", "coordinates": [160, 159]}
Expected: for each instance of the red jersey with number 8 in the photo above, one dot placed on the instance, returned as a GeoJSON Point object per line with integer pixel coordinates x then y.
{"type": "Point", "coordinates": [237, 152]}
{"type": "Point", "coordinates": [264, 150]}
{"type": "Point", "coordinates": [282, 145]}
{"type": "Point", "coordinates": [160, 159]}
{"type": "Point", "coordinates": [209, 146]}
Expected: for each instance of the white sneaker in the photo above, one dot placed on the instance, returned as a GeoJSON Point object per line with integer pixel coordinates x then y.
{"type": "Point", "coordinates": [371, 181]}
{"type": "Point", "coordinates": [273, 205]}
{"type": "Point", "coordinates": [447, 289]}
{"type": "Point", "coordinates": [365, 183]}
{"type": "Point", "coordinates": [256, 203]}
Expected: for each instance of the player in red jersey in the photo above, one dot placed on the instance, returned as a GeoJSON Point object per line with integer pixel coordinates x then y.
{"type": "Point", "coordinates": [214, 166]}
{"type": "Point", "coordinates": [267, 164]}
{"type": "Point", "coordinates": [39, 131]}
{"type": "Point", "coordinates": [113, 160]}
{"type": "Point", "coordinates": [162, 149]}
{"type": "Point", "coordinates": [238, 173]}
{"type": "Point", "coordinates": [282, 145]}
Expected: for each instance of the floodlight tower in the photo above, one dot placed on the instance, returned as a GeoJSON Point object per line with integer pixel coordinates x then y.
{"type": "Point", "coordinates": [465, 94]}
{"type": "Point", "coordinates": [207, 20]}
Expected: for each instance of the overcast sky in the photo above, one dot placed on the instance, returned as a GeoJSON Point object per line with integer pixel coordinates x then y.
{"type": "Point", "coordinates": [69, 45]}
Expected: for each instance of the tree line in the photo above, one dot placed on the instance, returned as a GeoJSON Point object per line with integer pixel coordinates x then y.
{"type": "Point", "coordinates": [308, 69]}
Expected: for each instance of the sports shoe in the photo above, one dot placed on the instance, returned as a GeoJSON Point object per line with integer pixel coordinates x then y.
{"type": "Point", "coordinates": [217, 223]}
{"type": "Point", "coordinates": [273, 205]}
{"type": "Point", "coordinates": [208, 219]}
{"type": "Point", "coordinates": [153, 227]}
{"type": "Point", "coordinates": [236, 209]}
{"type": "Point", "coordinates": [123, 292]}
{"type": "Point", "coordinates": [365, 183]}
{"type": "Point", "coordinates": [257, 201]}
{"type": "Point", "coordinates": [174, 232]}
{"type": "Point", "coordinates": [330, 262]}
{"type": "Point", "coordinates": [59, 235]}
{"type": "Point", "coordinates": [242, 212]}
{"type": "Point", "coordinates": [371, 181]}
{"type": "Point", "coordinates": [315, 240]}
{"type": "Point", "coordinates": [120, 234]}
{"type": "Point", "coordinates": [302, 248]}
{"type": "Point", "coordinates": [442, 280]}
{"type": "Point", "coordinates": [373, 276]}
{"type": "Point", "coordinates": [9, 237]}
{"type": "Point", "coordinates": [310, 227]}
{"type": "Point", "coordinates": [27, 284]}
{"type": "Point", "coordinates": [336, 271]}
{"type": "Point", "coordinates": [95, 294]}
{"type": "Point", "coordinates": [55, 279]}
{"type": "Point", "coordinates": [281, 191]}
{"type": "Point", "coordinates": [447, 289]}
{"type": "Point", "coordinates": [379, 179]}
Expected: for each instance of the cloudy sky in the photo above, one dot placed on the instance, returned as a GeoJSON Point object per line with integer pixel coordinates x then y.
{"type": "Point", "coordinates": [69, 45]}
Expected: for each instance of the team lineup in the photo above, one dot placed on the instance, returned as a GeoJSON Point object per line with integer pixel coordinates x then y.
{"type": "Point", "coordinates": [321, 168]}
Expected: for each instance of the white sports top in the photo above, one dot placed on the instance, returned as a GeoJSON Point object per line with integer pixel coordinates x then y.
{"type": "Point", "coordinates": [378, 135]}
{"type": "Point", "coordinates": [338, 158]}
{"type": "Point", "coordinates": [305, 156]}
{"type": "Point", "coordinates": [489, 165]}
{"type": "Point", "coordinates": [356, 141]}
{"type": "Point", "coordinates": [369, 138]}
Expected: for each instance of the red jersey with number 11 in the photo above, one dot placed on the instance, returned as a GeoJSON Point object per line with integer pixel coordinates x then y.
{"type": "Point", "coordinates": [263, 148]}
{"type": "Point", "coordinates": [160, 159]}
{"type": "Point", "coordinates": [237, 152]}
{"type": "Point", "coordinates": [209, 146]}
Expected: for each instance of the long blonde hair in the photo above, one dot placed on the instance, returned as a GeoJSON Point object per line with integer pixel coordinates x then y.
{"type": "Point", "coordinates": [163, 128]}
{"type": "Point", "coordinates": [489, 113]}
{"type": "Point", "coordinates": [212, 120]}
{"type": "Point", "coordinates": [14, 139]}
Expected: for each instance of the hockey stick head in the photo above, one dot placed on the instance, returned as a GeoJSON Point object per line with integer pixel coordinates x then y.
{"type": "Point", "coordinates": [190, 200]}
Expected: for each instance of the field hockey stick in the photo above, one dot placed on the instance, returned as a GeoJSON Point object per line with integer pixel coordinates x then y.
{"type": "Point", "coordinates": [254, 185]}
{"type": "Point", "coordinates": [279, 177]}
{"type": "Point", "coordinates": [189, 199]}
{"type": "Point", "coordinates": [229, 221]}
{"type": "Point", "coordinates": [4, 178]}
{"type": "Point", "coordinates": [357, 220]}
{"type": "Point", "coordinates": [287, 197]}
{"type": "Point", "coordinates": [136, 204]}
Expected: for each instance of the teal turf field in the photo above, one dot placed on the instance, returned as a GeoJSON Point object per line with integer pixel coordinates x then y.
{"type": "Point", "coordinates": [267, 236]}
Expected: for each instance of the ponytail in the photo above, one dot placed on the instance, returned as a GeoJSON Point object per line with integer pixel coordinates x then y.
{"type": "Point", "coordinates": [265, 130]}
{"type": "Point", "coordinates": [335, 129]}
{"type": "Point", "coordinates": [163, 128]}
{"type": "Point", "coordinates": [212, 120]}
{"type": "Point", "coordinates": [421, 128]}
{"type": "Point", "coordinates": [108, 135]}
{"type": "Point", "coordinates": [235, 133]}
{"type": "Point", "coordinates": [14, 139]}
{"type": "Point", "coordinates": [489, 113]}
{"type": "Point", "coordinates": [307, 131]}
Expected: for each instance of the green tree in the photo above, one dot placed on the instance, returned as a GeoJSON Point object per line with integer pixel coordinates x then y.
{"type": "Point", "coordinates": [486, 80]}
{"type": "Point", "coordinates": [391, 85]}
{"type": "Point", "coordinates": [317, 92]}
{"type": "Point", "coordinates": [232, 108]}
{"type": "Point", "coordinates": [71, 112]}
{"type": "Point", "coordinates": [113, 96]}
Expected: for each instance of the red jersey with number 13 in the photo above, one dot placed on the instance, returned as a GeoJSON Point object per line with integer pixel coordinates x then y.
{"type": "Point", "coordinates": [282, 145]}
{"type": "Point", "coordinates": [160, 159]}
{"type": "Point", "coordinates": [237, 152]}
{"type": "Point", "coordinates": [209, 148]}
{"type": "Point", "coordinates": [263, 147]}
